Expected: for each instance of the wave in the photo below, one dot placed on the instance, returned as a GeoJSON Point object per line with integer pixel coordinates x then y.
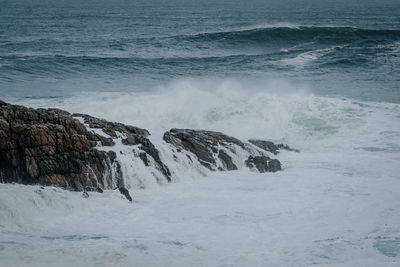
{"type": "Point", "coordinates": [60, 66]}
{"type": "Point", "coordinates": [18, 68]}
{"type": "Point", "coordinates": [270, 36]}
{"type": "Point", "coordinates": [244, 49]}
{"type": "Point", "coordinates": [276, 109]}
{"type": "Point", "coordinates": [291, 33]}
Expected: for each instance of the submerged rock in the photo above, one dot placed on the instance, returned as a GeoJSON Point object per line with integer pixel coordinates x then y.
{"type": "Point", "coordinates": [125, 192]}
{"type": "Point", "coordinates": [263, 164]}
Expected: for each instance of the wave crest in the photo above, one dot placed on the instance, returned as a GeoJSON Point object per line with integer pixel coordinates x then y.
{"type": "Point", "coordinates": [291, 32]}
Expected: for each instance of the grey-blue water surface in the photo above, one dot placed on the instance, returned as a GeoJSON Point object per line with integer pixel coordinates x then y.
{"type": "Point", "coordinates": [58, 48]}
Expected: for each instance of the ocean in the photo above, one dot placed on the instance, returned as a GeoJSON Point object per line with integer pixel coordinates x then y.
{"type": "Point", "coordinates": [322, 76]}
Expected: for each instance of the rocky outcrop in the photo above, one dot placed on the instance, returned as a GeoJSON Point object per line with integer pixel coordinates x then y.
{"type": "Point", "coordinates": [130, 136]}
{"type": "Point", "coordinates": [209, 147]}
{"type": "Point", "coordinates": [217, 151]}
{"type": "Point", "coordinates": [83, 153]}
{"type": "Point", "coordinates": [49, 147]}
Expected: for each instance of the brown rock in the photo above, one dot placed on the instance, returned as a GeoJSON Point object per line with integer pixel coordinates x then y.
{"type": "Point", "coordinates": [49, 147]}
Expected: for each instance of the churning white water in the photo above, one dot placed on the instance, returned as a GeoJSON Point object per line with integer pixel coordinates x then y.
{"type": "Point", "coordinates": [335, 203]}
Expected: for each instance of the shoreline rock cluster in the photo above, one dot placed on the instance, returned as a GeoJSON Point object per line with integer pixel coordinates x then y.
{"type": "Point", "coordinates": [50, 147]}
{"type": "Point", "coordinates": [74, 151]}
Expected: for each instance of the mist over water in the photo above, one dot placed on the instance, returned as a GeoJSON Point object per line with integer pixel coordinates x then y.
{"type": "Point", "coordinates": [321, 76]}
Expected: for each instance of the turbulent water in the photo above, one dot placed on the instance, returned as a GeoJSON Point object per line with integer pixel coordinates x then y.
{"type": "Point", "coordinates": [321, 76]}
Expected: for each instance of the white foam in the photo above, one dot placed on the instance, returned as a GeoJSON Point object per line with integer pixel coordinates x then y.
{"type": "Point", "coordinates": [305, 215]}
{"type": "Point", "coordinates": [271, 26]}
{"type": "Point", "coordinates": [305, 58]}
{"type": "Point", "coordinates": [275, 110]}
{"type": "Point", "coordinates": [336, 202]}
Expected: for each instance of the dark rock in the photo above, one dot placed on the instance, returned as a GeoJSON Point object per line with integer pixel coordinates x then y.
{"type": "Point", "coordinates": [270, 146]}
{"type": "Point", "coordinates": [85, 194]}
{"type": "Point", "coordinates": [98, 189]}
{"type": "Point", "coordinates": [133, 136]}
{"type": "Point", "coordinates": [125, 192]}
{"type": "Point", "coordinates": [209, 146]}
{"type": "Point", "coordinates": [274, 165]}
{"type": "Point", "coordinates": [143, 157]}
{"type": "Point", "coordinates": [52, 147]}
{"type": "Point", "coordinates": [94, 139]}
{"type": "Point", "coordinates": [263, 164]}
{"type": "Point", "coordinates": [204, 144]}
{"type": "Point", "coordinates": [151, 150]}
{"type": "Point", "coordinates": [111, 155]}
{"type": "Point", "coordinates": [49, 147]}
{"type": "Point", "coordinates": [111, 128]}
{"type": "Point", "coordinates": [94, 189]}
{"type": "Point", "coordinates": [130, 140]}
{"type": "Point", "coordinates": [226, 160]}
{"type": "Point", "coordinates": [286, 147]}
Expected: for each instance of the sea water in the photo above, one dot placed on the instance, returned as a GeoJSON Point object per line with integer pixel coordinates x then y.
{"type": "Point", "coordinates": [321, 76]}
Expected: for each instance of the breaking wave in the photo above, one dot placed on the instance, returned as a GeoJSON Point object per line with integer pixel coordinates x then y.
{"type": "Point", "coordinates": [273, 109]}
{"type": "Point", "coordinates": [291, 33]}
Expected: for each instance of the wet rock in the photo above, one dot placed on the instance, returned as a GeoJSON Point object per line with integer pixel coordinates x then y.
{"type": "Point", "coordinates": [149, 148]}
{"type": "Point", "coordinates": [104, 141]}
{"type": "Point", "coordinates": [85, 194]}
{"type": "Point", "coordinates": [143, 157]}
{"type": "Point", "coordinates": [131, 136]}
{"type": "Point", "coordinates": [130, 140]}
{"type": "Point", "coordinates": [286, 147]}
{"type": "Point", "coordinates": [49, 147]}
{"type": "Point", "coordinates": [274, 165]}
{"type": "Point", "coordinates": [53, 147]}
{"type": "Point", "coordinates": [111, 128]}
{"type": "Point", "coordinates": [215, 150]}
{"type": "Point", "coordinates": [94, 189]}
{"type": "Point", "coordinates": [227, 160]}
{"type": "Point", "coordinates": [270, 146]}
{"type": "Point", "coordinates": [206, 145]}
{"type": "Point", "coordinates": [125, 192]}
{"type": "Point", "coordinates": [98, 189]}
{"type": "Point", "coordinates": [263, 164]}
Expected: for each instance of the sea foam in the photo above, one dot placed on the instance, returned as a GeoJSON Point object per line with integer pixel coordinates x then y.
{"type": "Point", "coordinates": [334, 203]}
